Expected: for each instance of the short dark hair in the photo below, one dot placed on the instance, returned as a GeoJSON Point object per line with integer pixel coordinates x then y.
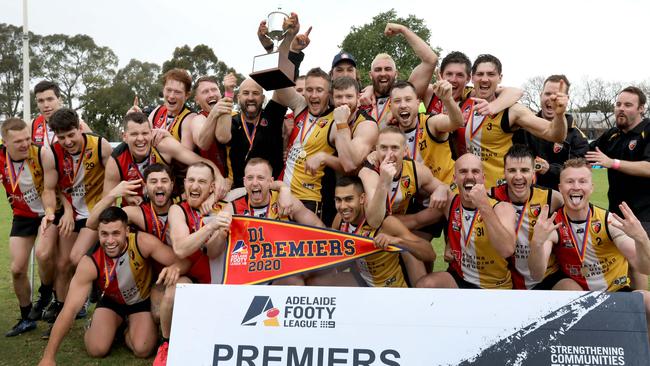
{"type": "Point", "coordinates": [518, 151]}
{"type": "Point", "coordinates": [64, 120]}
{"type": "Point", "coordinates": [256, 161]}
{"type": "Point", "coordinates": [487, 58]}
{"type": "Point", "coordinates": [348, 180]}
{"type": "Point", "coordinates": [639, 93]}
{"type": "Point", "coordinates": [180, 75]}
{"type": "Point", "coordinates": [201, 164]}
{"type": "Point", "coordinates": [344, 83]}
{"type": "Point", "coordinates": [402, 84]}
{"type": "Point", "coordinates": [317, 72]}
{"type": "Point", "coordinates": [208, 78]}
{"type": "Point", "coordinates": [12, 124]}
{"type": "Point", "coordinates": [456, 57]}
{"type": "Point", "coordinates": [556, 79]}
{"type": "Point", "coordinates": [47, 85]}
{"type": "Point", "coordinates": [136, 117]}
{"type": "Point", "coordinates": [112, 214]}
{"type": "Point", "coordinates": [157, 168]}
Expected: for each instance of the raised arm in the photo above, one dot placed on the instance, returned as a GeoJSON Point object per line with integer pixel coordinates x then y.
{"type": "Point", "coordinates": [377, 188]}
{"type": "Point", "coordinates": [352, 150]}
{"type": "Point", "coordinates": [453, 119]}
{"type": "Point", "coordinates": [554, 131]}
{"type": "Point", "coordinates": [631, 238]}
{"type": "Point", "coordinates": [122, 189]}
{"type": "Point", "coordinates": [420, 76]}
{"type": "Point", "coordinates": [499, 221]}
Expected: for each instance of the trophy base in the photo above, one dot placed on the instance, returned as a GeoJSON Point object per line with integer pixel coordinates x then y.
{"type": "Point", "coordinates": [273, 71]}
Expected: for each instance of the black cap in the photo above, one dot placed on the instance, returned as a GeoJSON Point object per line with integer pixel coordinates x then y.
{"type": "Point", "coordinates": [343, 56]}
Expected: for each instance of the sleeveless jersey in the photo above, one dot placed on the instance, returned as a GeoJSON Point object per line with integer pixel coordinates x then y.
{"type": "Point", "coordinates": [474, 258]}
{"type": "Point", "coordinates": [42, 133]}
{"type": "Point", "coordinates": [380, 112]}
{"type": "Point", "coordinates": [23, 182]}
{"type": "Point", "coordinates": [361, 117]}
{"type": "Point", "coordinates": [587, 254]}
{"type": "Point", "coordinates": [437, 155]}
{"type": "Point", "coordinates": [489, 137]}
{"type": "Point", "coordinates": [128, 168]}
{"type": "Point", "coordinates": [310, 135]}
{"type": "Point", "coordinates": [127, 279]}
{"type": "Point", "coordinates": [204, 269]}
{"type": "Point", "coordinates": [155, 224]}
{"type": "Point", "coordinates": [436, 106]}
{"type": "Point", "coordinates": [216, 154]}
{"type": "Point", "coordinates": [241, 206]}
{"type": "Point", "coordinates": [81, 176]}
{"type": "Point", "coordinates": [526, 218]}
{"type": "Point", "coordinates": [381, 269]}
{"type": "Point", "coordinates": [162, 120]}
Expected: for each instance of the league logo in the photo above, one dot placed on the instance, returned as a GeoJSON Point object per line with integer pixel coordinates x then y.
{"type": "Point", "coordinates": [261, 310]}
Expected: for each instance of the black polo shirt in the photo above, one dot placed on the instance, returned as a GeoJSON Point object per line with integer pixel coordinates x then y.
{"type": "Point", "coordinates": [267, 143]}
{"type": "Point", "coordinates": [631, 146]}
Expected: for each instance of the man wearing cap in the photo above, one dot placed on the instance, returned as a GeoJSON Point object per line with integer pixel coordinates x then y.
{"type": "Point", "coordinates": [344, 64]}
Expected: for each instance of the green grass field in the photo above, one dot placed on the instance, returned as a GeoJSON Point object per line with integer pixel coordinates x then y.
{"type": "Point", "coordinates": [26, 349]}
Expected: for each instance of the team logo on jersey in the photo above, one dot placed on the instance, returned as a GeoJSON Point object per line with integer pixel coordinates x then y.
{"type": "Point", "coordinates": [406, 181]}
{"type": "Point", "coordinates": [596, 226]}
{"type": "Point", "coordinates": [274, 209]}
{"type": "Point", "coordinates": [322, 123]}
{"type": "Point", "coordinates": [535, 209]}
{"type": "Point", "coordinates": [264, 122]}
{"type": "Point", "coordinates": [88, 154]}
{"type": "Point", "coordinates": [557, 147]}
{"type": "Point", "coordinates": [261, 310]}
{"type": "Point", "coordinates": [632, 144]}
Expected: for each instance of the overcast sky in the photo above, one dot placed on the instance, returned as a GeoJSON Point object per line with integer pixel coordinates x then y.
{"type": "Point", "coordinates": [607, 39]}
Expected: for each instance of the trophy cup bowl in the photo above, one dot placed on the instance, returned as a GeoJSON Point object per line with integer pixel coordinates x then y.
{"type": "Point", "coordinates": [274, 70]}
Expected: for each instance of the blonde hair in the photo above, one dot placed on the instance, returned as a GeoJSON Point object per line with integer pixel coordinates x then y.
{"type": "Point", "coordinates": [382, 56]}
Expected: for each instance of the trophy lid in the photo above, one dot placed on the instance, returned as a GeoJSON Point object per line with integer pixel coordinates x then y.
{"type": "Point", "coordinates": [274, 23]}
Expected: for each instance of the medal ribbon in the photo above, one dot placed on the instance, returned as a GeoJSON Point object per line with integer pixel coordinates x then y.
{"type": "Point", "coordinates": [108, 278]}
{"type": "Point", "coordinates": [391, 201]}
{"type": "Point", "coordinates": [75, 170]}
{"type": "Point", "coordinates": [304, 133]}
{"type": "Point", "coordinates": [198, 222]}
{"type": "Point", "coordinates": [379, 116]}
{"type": "Point", "coordinates": [580, 251]}
{"type": "Point", "coordinates": [468, 234]}
{"type": "Point", "coordinates": [14, 178]}
{"type": "Point", "coordinates": [161, 230]}
{"type": "Point", "coordinates": [252, 211]}
{"type": "Point", "coordinates": [346, 226]}
{"type": "Point", "coordinates": [520, 220]}
{"type": "Point", "coordinates": [249, 136]}
{"type": "Point", "coordinates": [473, 131]}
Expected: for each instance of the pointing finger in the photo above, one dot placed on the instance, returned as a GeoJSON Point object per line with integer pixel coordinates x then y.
{"type": "Point", "coordinates": [308, 31]}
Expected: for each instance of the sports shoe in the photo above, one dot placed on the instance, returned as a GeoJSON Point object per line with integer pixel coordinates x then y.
{"type": "Point", "coordinates": [37, 309]}
{"type": "Point", "coordinates": [84, 310]}
{"type": "Point", "coordinates": [24, 325]}
{"type": "Point", "coordinates": [46, 335]}
{"type": "Point", "coordinates": [52, 311]}
{"type": "Point", "coordinates": [161, 355]}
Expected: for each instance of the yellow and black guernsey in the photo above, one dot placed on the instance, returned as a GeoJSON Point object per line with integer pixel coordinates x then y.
{"type": "Point", "coordinates": [490, 138]}
{"type": "Point", "coordinates": [586, 252]}
{"type": "Point", "coordinates": [382, 269]}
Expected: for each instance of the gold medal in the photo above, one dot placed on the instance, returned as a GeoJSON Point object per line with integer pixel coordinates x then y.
{"type": "Point", "coordinates": [302, 154]}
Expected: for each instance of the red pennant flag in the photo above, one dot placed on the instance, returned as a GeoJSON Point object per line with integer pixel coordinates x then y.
{"type": "Point", "coordinates": [261, 250]}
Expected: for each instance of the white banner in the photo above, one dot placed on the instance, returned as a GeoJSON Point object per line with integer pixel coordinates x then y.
{"type": "Point", "coordinates": [322, 326]}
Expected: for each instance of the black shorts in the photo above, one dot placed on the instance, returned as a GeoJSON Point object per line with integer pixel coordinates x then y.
{"type": "Point", "coordinates": [460, 282]}
{"type": "Point", "coordinates": [549, 281]}
{"type": "Point", "coordinates": [625, 289]}
{"type": "Point", "coordinates": [28, 226]}
{"type": "Point", "coordinates": [124, 310]}
{"type": "Point", "coordinates": [314, 206]}
{"type": "Point", "coordinates": [79, 224]}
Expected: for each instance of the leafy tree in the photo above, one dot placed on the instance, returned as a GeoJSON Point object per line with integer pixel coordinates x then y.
{"type": "Point", "coordinates": [78, 65]}
{"type": "Point", "coordinates": [199, 61]}
{"type": "Point", "coordinates": [11, 69]}
{"type": "Point", "coordinates": [366, 41]}
{"type": "Point", "coordinates": [142, 78]}
{"type": "Point", "coordinates": [109, 105]}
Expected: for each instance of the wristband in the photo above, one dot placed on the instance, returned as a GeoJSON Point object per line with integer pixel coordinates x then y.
{"type": "Point", "coordinates": [228, 94]}
{"type": "Point", "coordinates": [616, 164]}
{"type": "Point", "coordinates": [342, 126]}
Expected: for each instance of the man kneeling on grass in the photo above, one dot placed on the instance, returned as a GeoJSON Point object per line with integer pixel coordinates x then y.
{"type": "Point", "coordinates": [120, 267]}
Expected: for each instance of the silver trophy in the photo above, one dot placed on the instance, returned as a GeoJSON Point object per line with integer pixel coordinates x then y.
{"type": "Point", "coordinates": [274, 70]}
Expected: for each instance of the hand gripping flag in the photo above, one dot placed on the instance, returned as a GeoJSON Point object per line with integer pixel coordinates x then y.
{"type": "Point", "coordinates": [261, 250]}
